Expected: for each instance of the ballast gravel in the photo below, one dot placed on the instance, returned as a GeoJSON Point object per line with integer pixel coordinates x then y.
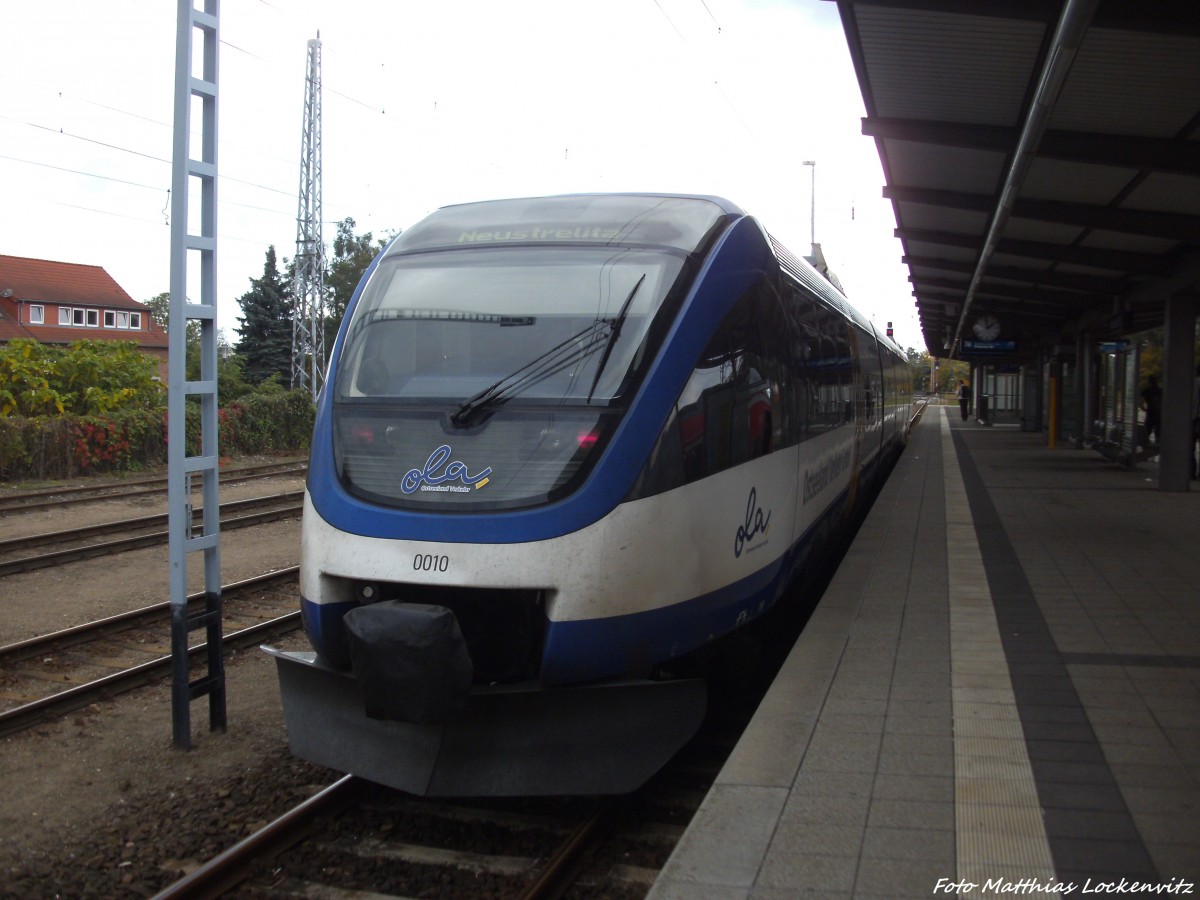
{"type": "Point", "coordinates": [100, 803]}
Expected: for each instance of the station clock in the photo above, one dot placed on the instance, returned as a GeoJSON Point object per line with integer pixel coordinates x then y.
{"type": "Point", "coordinates": [987, 327]}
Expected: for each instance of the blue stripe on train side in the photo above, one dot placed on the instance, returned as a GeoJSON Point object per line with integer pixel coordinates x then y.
{"type": "Point", "coordinates": [324, 629]}
{"type": "Point", "coordinates": [613, 647]}
{"type": "Point", "coordinates": [589, 649]}
{"type": "Point", "coordinates": [616, 646]}
{"type": "Point", "coordinates": [740, 257]}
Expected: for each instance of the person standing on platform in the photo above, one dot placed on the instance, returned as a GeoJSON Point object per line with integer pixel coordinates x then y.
{"type": "Point", "coordinates": [964, 399]}
{"type": "Point", "coordinates": [1152, 403]}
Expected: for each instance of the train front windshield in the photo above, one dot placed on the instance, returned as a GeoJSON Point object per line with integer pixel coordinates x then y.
{"type": "Point", "coordinates": [487, 378]}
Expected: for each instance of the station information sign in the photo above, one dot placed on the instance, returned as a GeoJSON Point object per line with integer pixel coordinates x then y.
{"type": "Point", "coordinates": [989, 346]}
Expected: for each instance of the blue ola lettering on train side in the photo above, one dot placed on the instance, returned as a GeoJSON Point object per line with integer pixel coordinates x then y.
{"type": "Point", "coordinates": [755, 523]}
{"type": "Point", "coordinates": [428, 477]}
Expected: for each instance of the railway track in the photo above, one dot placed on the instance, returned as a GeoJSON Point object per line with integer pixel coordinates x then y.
{"type": "Point", "coordinates": [53, 674]}
{"type": "Point", "coordinates": [144, 531]}
{"type": "Point", "coordinates": [357, 839]}
{"type": "Point", "coordinates": [23, 501]}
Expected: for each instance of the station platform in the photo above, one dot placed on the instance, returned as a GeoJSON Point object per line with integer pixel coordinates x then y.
{"type": "Point", "coordinates": [998, 695]}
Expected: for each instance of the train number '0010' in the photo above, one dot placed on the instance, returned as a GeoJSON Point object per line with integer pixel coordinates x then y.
{"type": "Point", "coordinates": [430, 562]}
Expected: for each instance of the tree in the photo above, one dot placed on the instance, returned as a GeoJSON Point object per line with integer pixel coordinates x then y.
{"type": "Point", "coordinates": [160, 311]}
{"type": "Point", "coordinates": [29, 379]}
{"type": "Point", "coordinates": [99, 377]}
{"type": "Point", "coordinates": [231, 383]}
{"type": "Point", "coordinates": [918, 370]}
{"type": "Point", "coordinates": [88, 378]}
{"type": "Point", "coordinates": [160, 308]}
{"type": "Point", "coordinates": [265, 344]}
{"type": "Point", "coordinates": [352, 254]}
{"type": "Point", "coordinates": [947, 372]}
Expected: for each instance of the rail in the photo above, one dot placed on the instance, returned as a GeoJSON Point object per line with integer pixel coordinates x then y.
{"type": "Point", "coordinates": [60, 702]}
{"type": "Point", "coordinates": [228, 869]}
{"type": "Point", "coordinates": [282, 506]}
{"type": "Point", "coordinates": [22, 501]}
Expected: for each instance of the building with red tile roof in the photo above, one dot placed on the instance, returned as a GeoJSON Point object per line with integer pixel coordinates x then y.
{"type": "Point", "coordinates": [57, 303]}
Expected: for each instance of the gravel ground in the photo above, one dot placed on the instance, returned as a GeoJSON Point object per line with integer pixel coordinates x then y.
{"type": "Point", "coordinates": [100, 804]}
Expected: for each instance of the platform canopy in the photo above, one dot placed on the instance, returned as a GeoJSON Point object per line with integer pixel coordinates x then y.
{"type": "Point", "coordinates": [1042, 159]}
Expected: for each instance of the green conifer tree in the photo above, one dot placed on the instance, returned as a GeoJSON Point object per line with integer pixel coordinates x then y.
{"type": "Point", "coordinates": [266, 334]}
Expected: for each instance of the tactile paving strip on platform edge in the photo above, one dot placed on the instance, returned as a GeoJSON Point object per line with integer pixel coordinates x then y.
{"type": "Point", "coordinates": [999, 831]}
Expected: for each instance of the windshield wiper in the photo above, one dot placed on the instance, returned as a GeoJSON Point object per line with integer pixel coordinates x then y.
{"type": "Point", "coordinates": [559, 357]}
{"type": "Point", "coordinates": [613, 334]}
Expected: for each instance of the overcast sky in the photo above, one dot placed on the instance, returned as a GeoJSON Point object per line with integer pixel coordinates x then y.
{"type": "Point", "coordinates": [437, 102]}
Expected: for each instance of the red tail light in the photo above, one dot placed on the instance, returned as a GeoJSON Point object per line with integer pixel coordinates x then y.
{"type": "Point", "coordinates": [588, 439]}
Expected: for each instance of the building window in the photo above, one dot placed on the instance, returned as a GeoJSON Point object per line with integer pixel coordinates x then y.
{"type": "Point", "coordinates": [110, 319]}
{"type": "Point", "coordinates": [77, 316]}
{"type": "Point", "coordinates": [122, 320]}
{"type": "Point", "coordinates": [93, 318]}
{"type": "Point", "coordinates": [37, 314]}
{"type": "Point", "coordinates": [64, 315]}
{"type": "Point", "coordinates": [135, 320]}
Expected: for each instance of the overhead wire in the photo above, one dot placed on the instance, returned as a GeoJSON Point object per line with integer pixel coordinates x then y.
{"type": "Point", "coordinates": [149, 156]}
{"type": "Point", "coordinates": [710, 14]}
{"type": "Point", "coordinates": [670, 21]}
{"type": "Point", "coordinates": [118, 215]}
{"type": "Point", "coordinates": [126, 145]}
{"type": "Point", "coordinates": [275, 68]}
{"type": "Point", "coordinates": [222, 176]}
{"type": "Point", "coordinates": [126, 112]}
{"type": "Point", "coordinates": [737, 113]}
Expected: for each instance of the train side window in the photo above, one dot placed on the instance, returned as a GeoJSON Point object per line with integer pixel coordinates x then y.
{"type": "Point", "coordinates": [829, 368]}
{"type": "Point", "coordinates": [805, 341]}
{"type": "Point", "coordinates": [779, 332]}
{"type": "Point", "coordinates": [806, 359]}
{"type": "Point", "coordinates": [735, 406]}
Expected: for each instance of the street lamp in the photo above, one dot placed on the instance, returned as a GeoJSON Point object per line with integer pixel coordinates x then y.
{"type": "Point", "coordinates": [813, 195]}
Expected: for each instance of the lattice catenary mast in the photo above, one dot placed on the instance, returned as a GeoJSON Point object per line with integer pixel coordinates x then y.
{"type": "Point", "coordinates": [308, 288]}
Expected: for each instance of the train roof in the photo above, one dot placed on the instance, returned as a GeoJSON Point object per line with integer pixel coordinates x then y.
{"type": "Point", "coordinates": [805, 273]}
{"type": "Point", "coordinates": [679, 221]}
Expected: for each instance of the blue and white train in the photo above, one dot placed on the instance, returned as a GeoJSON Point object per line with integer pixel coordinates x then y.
{"type": "Point", "coordinates": [564, 443]}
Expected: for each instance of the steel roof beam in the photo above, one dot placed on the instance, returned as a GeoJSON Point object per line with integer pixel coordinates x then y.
{"type": "Point", "coordinates": [1026, 294]}
{"type": "Point", "coordinates": [1094, 257]}
{"type": "Point", "coordinates": [1169, 225]}
{"type": "Point", "coordinates": [1173, 17]}
{"type": "Point", "coordinates": [1178, 156]}
{"type": "Point", "coordinates": [934, 301]}
{"type": "Point", "coordinates": [1088, 283]}
{"type": "Point", "coordinates": [1172, 226]}
{"type": "Point", "coordinates": [1012, 311]}
{"type": "Point", "coordinates": [1032, 10]}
